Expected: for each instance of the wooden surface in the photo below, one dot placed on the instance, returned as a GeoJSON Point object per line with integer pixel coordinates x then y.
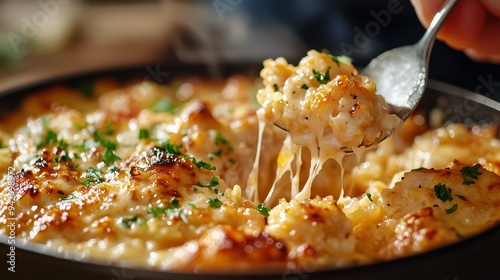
{"type": "Point", "coordinates": [106, 36]}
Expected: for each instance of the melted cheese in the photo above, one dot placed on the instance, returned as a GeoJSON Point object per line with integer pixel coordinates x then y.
{"type": "Point", "coordinates": [325, 107]}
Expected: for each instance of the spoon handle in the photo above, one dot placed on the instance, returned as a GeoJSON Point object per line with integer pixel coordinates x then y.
{"type": "Point", "coordinates": [427, 41]}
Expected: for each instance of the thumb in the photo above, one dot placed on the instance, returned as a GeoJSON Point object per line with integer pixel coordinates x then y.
{"type": "Point", "coordinates": [464, 24]}
{"type": "Point", "coordinates": [493, 6]}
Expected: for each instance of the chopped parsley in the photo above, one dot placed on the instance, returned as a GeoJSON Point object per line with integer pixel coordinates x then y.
{"type": "Point", "coordinates": [113, 169]}
{"type": "Point", "coordinates": [177, 212]}
{"type": "Point", "coordinates": [93, 176]}
{"type": "Point", "coordinates": [109, 156]}
{"type": "Point", "coordinates": [214, 203]}
{"type": "Point", "coordinates": [452, 209]}
{"type": "Point", "coordinates": [63, 145]}
{"type": "Point", "coordinates": [155, 211]}
{"type": "Point", "coordinates": [60, 192]}
{"type": "Point", "coordinates": [50, 138]}
{"type": "Point", "coordinates": [214, 181]}
{"type": "Point", "coordinates": [341, 59]}
{"type": "Point", "coordinates": [171, 149]}
{"type": "Point", "coordinates": [304, 86]}
{"type": "Point", "coordinates": [63, 157]}
{"type": "Point", "coordinates": [275, 87]}
{"type": "Point", "coordinates": [263, 210]}
{"type": "Point", "coordinates": [109, 129]}
{"type": "Point", "coordinates": [215, 154]}
{"type": "Point", "coordinates": [129, 220]}
{"type": "Point", "coordinates": [200, 164]}
{"type": "Point", "coordinates": [322, 78]}
{"type": "Point", "coordinates": [144, 134]}
{"type": "Point", "coordinates": [174, 203]}
{"type": "Point", "coordinates": [442, 192]}
{"type": "Point", "coordinates": [469, 173]}
{"type": "Point", "coordinates": [220, 140]}
{"type": "Point", "coordinates": [172, 209]}
{"type": "Point", "coordinates": [369, 195]}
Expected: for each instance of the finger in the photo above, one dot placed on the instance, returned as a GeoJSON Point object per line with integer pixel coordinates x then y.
{"type": "Point", "coordinates": [487, 46]}
{"type": "Point", "coordinates": [462, 27]}
{"type": "Point", "coordinates": [426, 9]}
{"type": "Point", "coordinates": [493, 6]}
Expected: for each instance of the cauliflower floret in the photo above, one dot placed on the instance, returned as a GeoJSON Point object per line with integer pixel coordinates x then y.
{"type": "Point", "coordinates": [313, 228]}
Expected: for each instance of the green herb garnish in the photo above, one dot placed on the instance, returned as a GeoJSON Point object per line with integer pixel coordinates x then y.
{"type": "Point", "coordinates": [93, 176]}
{"type": "Point", "coordinates": [263, 210]}
{"type": "Point", "coordinates": [322, 79]}
{"type": "Point", "coordinates": [171, 149]}
{"type": "Point", "coordinates": [452, 209]}
{"type": "Point", "coordinates": [200, 164]}
{"type": "Point", "coordinates": [143, 134]}
{"type": "Point", "coordinates": [215, 154]}
{"type": "Point", "coordinates": [109, 129]}
{"type": "Point", "coordinates": [171, 209]}
{"type": "Point", "coordinates": [214, 181]}
{"type": "Point", "coordinates": [442, 192]}
{"type": "Point", "coordinates": [469, 173]}
{"type": "Point", "coordinates": [109, 156]}
{"type": "Point", "coordinates": [50, 138]}
{"type": "Point", "coordinates": [113, 169]}
{"type": "Point", "coordinates": [220, 140]}
{"type": "Point", "coordinates": [129, 220]}
{"type": "Point", "coordinates": [341, 59]}
{"type": "Point", "coordinates": [369, 195]}
{"type": "Point", "coordinates": [214, 203]}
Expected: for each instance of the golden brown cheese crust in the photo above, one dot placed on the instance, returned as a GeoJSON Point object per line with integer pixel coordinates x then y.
{"type": "Point", "coordinates": [476, 201]}
{"type": "Point", "coordinates": [122, 178]}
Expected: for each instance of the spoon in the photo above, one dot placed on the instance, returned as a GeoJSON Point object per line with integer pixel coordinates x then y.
{"type": "Point", "coordinates": [401, 74]}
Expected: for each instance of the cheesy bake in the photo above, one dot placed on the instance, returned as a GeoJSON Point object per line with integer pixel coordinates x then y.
{"type": "Point", "coordinates": [186, 176]}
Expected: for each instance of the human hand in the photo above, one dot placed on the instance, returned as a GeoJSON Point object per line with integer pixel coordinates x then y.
{"type": "Point", "coordinates": [472, 27]}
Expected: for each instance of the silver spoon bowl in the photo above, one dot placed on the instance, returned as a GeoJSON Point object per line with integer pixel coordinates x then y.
{"type": "Point", "coordinates": [401, 74]}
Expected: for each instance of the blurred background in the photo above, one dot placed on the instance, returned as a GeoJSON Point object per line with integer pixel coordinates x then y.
{"type": "Point", "coordinates": [47, 38]}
